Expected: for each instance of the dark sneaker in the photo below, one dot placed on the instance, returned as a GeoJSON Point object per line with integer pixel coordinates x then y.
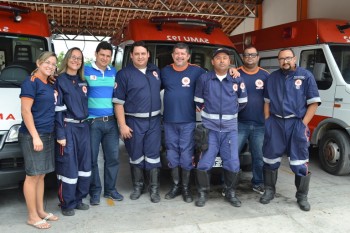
{"type": "Point", "coordinates": [68, 212]}
{"type": "Point", "coordinates": [95, 199]}
{"type": "Point", "coordinates": [115, 196]}
{"type": "Point", "coordinates": [259, 188]}
{"type": "Point", "coordinates": [82, 206]}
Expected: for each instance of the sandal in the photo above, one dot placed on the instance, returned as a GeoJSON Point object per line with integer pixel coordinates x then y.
{"type": "Point", "coordinates": [50, 217]}
{"type": "Point", "coordinates": [40, 224]}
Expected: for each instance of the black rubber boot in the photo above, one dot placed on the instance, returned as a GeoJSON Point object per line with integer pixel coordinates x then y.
{"type": "Point", "coordinates": [175, 189]}
{"type": "Point", "coordinates": [186, 191]}
{"type": "Point", "coordinates": [137, 181]}
{"type": "Point", "coordinates": [302, 184]}
{"type": "Point", "coordinates": [203, 186]}
{"type": "Point", "coordinates": [231, 182]}
{"type": "Point", "coordinates": [270, 179]}
{"type": "Point", "coordinates": [154, 185]}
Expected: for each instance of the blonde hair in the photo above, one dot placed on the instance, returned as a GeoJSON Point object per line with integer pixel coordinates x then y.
{"type": "Point", "coordinates": [64, 63]}
{"type": "Point", "coordinates": [43, 57]}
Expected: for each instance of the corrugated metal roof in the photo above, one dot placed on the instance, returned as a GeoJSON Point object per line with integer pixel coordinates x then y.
{"type": "Point", "coordinates": [107, 17]}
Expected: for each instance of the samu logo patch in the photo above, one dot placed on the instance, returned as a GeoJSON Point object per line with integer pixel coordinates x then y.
{"type": "Point", "coordinates": [298, 83]}
{"type": "Point", "coordinates": [155, 74]}
{"type": "Point", "coordinates": [185, 82]}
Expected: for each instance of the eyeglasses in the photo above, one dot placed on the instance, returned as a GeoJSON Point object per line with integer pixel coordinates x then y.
{"type": "Point", "coordinates": [47, 62]}
{"type": "Point", "coordinates": [285, 59]}
{"type": "Point", "coordinates": [252, 55]}
{"type": "Point", "coordinates": [74, 58]}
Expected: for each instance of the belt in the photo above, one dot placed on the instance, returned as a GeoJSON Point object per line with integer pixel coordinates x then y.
{"type": "Point", "coordinates": [143, 115]}
{"type": "Point", "coordinates": [70, 120]}
{"type": "Point", "coordinates": [104, 118]}
{"type": "Point", "coordinates": [285, 117]}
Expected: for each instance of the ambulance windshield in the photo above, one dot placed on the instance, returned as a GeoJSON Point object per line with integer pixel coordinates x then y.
{"type": "Point", "coordinates": [160, 55]}
{"type": "Point", "coordinates": [17, 57]}
{"type": "Point", "coordinates": [341, 55]}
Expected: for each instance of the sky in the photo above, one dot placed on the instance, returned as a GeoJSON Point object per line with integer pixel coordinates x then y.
{"type": "Point", "coordinates": [88, 47]}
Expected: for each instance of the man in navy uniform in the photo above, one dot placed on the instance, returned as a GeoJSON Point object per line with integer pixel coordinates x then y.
{"type": "Point", "coordinates": [220, 97]}
{"type": "Point", "coordinates": [137, 106]}
{"type": "Point", "coordinates": [291, 100]}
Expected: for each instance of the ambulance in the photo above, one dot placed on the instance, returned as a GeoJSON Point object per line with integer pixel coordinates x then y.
{"type": "Point", "coordinates": [161, 33]}
{"type": "Point", "coordinates": [24, 34]}
{"type": "Point", "coordinates": [323, 47]}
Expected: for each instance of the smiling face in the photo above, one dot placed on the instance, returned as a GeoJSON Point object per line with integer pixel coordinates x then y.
{"type": "Point", "coordinates": [250, 58]}
{"type": "Point", "coordinates": [180, 57]}
{"type": "Point", "coordinates": [139, 57]}
{"type": "Point", "coordinates": [47, 67]}
{"type": "Point", "coordinates": [287, 60]}
{"type": "Point", "coordinates": [103, 58]}
{"type": "Point", "coordinates": [74, 62]}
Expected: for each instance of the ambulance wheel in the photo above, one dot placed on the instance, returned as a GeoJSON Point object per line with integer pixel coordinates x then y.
{"type": "Point", "coordinates": [334, 151]}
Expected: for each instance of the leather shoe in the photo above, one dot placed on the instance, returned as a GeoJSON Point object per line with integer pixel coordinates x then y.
{"type": "Point", "coordinates": [82, 206]}
{"type": "Point", "coordinates": [68, 212]}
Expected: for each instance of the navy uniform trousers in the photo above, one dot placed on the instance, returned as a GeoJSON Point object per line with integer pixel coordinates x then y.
{"type": "Point", "coordinates": [286, 136]}
{"type": "Point", "coordinates": [73, 165]}
{"type": "Point", "coordinates": [144, 145]}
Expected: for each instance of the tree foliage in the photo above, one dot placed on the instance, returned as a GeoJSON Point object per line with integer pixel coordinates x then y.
{"type": "Point", "coordinates": [60, 57]}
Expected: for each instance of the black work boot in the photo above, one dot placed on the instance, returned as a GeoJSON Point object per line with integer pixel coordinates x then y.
{"type": "Point", "coordinates": [175, 189]}
{"type": "Point", "coordinates": [270, 179]}
{"type": "Point", "coordinates": [231, 182]}
{"type": "Point", "coordinates": [302, 184]}
{"type": "Point", "coordinates": [186, 191]}
{"type": "Point", "coordinates": [203, 186]}
{"type": "Point", "coordinates": [154, 185]}
{"type": "Point", "coordinates": [137, 182]}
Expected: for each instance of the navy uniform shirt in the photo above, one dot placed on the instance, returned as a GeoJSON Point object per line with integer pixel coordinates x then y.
{"type": "Point", "coordinates": [72, 101]}
{"type": "Point", "coordinates": [222, 100]}
{"type": "Point", "coordinates": [290, 93]}
{"type": "Point", "coordinates": [179, 87]}
{"type": "Point", "coordinates": [138, 92]}
{"type": "Point", "coordinates": [43, 108]}
{"type": "Point", "coordinates": [253, 113]}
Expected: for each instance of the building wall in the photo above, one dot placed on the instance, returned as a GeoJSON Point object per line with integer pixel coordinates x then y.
{"type": "Point", "coordinates": [277, 12]}
{"type": "Point", "coordinates": [334, 9]}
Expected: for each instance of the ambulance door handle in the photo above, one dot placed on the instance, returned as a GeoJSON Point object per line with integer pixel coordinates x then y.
{"type": "Point", "coordinates": [338, 99]}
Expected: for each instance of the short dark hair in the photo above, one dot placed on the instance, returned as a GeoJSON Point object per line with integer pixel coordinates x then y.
{"type": "Point", "coordinates": [251, 47]}
{"type": "Point", "coordinates": [286, 49]}
{"type": "Point", "coordinates": [138, 43]}
{"type": "Point", "coordinates": [181, 46]}
{"type": "Point", "coordinates": [105, 46]}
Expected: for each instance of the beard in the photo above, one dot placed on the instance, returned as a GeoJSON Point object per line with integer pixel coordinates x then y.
{"type": "Point", "coordinates": [286, 67]}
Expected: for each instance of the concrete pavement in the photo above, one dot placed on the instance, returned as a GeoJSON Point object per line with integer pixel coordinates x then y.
{"type": "Point", "coordinates": [329, 198]}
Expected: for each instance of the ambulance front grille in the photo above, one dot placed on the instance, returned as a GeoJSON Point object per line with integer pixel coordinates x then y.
{"type": "Point", "coordinates": [11, 163]}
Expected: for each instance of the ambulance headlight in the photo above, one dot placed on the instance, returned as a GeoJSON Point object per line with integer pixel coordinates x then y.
{"type": "Point", "coordinates": [12, 135]}
{"type": "Point", "coordinates": [18, 18]}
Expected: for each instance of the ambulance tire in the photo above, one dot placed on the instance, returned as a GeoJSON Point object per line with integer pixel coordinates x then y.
{"type": "Point", "coordinates": [334, 152]}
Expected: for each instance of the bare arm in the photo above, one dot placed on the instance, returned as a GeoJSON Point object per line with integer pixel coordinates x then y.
{"type": "Point", "coordinates": [125, 131]}
{"type": "Point", "coordinates": [26, 111]}
{"type": "Point", "coordinates": [234, 72]}
{"type": "Point", "coordinates": [310, 112]}
{"type": "Point", "coordinates": [267, 110]}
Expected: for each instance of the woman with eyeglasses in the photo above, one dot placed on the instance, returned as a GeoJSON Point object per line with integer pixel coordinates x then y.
{"type": "Point", "coordinates": [73, 154]}
{"type": "Point", "coordinates": [36, 137]}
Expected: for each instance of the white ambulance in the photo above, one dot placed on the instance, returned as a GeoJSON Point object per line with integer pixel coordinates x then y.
{"type": "Point", "coordinates": [24, 34]}
{"type": "Point", "coordinates": [323, 47]}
